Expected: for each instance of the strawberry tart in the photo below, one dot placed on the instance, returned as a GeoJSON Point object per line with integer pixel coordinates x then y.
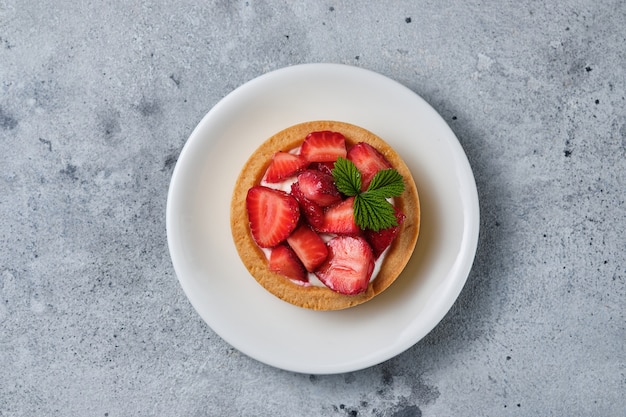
{"type": "Point", "coordinates": [325, 215]}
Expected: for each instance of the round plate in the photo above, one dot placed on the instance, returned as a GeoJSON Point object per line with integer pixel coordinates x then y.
{"type": "Point", "coordinates": [229, 299]}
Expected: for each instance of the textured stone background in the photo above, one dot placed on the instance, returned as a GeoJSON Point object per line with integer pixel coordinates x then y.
{"type": "Point", "coordinates": [98, 98]}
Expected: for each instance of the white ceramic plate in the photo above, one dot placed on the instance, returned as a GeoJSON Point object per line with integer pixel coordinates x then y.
{"type": "Point", "coordinates": [229, 299]}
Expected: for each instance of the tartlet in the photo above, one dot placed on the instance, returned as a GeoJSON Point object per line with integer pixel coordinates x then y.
{"type": "Point", "coordinates": [395, 257]}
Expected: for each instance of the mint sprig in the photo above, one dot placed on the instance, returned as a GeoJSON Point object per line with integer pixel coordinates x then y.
{"type": "Point", "coordinates": [371, 208]}
{"type": "Point", "coordinates": [347, 177]}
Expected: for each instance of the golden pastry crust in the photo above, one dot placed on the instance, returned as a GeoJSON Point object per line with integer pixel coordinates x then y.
{"type": "Point", "coordinates": [312, 297]}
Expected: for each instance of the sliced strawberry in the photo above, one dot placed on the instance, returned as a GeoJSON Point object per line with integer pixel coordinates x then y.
{"type": "Point", "coordinates": [284, 165]}
{"type": "Point", "coordinates": [368, 161]}
{"type": "Point", "coordinates": [319, 187]}
{"type": "Point", "coordinates": [325, 167]}
{"type": "Point", "coordinates": [323, 146]}
{"type": "Point", "coordinates": [312, 211]}
{"type": "Point", "coordinates": [308, 246]}
{"type": "Point", "coordinates": [273, 215]}
{"type": "Point", "coordinates": [284, 261]}
{"type": "Point", "coordinates": [349, 265]}
{"type": "Point", "coordinates": [340, 218]}
{"type": "Point", "coordinates": [379, 241]}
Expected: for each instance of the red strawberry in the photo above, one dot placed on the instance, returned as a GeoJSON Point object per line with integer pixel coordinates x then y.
{"type": "Point", "coordinates": [349, 265]}
{"type": "Point", "coordinates": [325, 167]}
{"type": "Point", "coordinates": [284, 165]}
{"type": "Point", "coordinates": [379, 241]}
{"type": "Point", "coordinates": [368, 161]}
{"type": "Point", "coordinates": [312, 211]}
{"type": "Point", "coordinates": [323, 146]}
{"type": "Point", "coordinates": [273, 215]}
{"type": "Point", "coordinates": [319, 188]}
{"type": "Point", "coordinates": [284, 261]}
{"type": "Point", "coordinates": [308, 246]}
{"type": "Point", "coordinates": [340, 218]}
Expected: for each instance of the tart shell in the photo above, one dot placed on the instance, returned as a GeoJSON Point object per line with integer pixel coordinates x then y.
{"type": "Point", "coordinates": [313, 297]}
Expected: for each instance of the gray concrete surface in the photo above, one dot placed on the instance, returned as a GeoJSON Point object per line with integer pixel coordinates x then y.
{"type": "Point", "coordinates": [98, 98]}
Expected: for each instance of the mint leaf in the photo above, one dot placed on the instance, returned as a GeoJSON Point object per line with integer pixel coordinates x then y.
{"type": "Point", "coordinates": [373, 212]}
{"type": "Point", "coordinates": [387, 182]}
{"type": "Point", "coordinates": [347, 177]}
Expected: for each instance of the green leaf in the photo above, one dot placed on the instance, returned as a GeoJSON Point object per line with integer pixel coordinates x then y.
{"type": "Point", "coordinates": [347, 177]}
{"type": "Point", "coordinates": [387, 182]}
{"type": "Point", "coordinates": [373, 212]}
{"type": "Point", "coordinates": [371, 208]}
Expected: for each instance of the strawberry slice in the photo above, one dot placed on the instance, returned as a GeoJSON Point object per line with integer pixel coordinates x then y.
{"type": "Point", "coordinates": [340, 218]}
{"type": "Point", "coordinates": [325, 167]}
{"type": "Point", "coordinates": [284, 261]}
{"type": "Point", "coordinates": [349, 265]}
{"type": "Point", "coordinates": [323, 146]}
{"type": "Point", "coordinates": [313, 212]}
{"type": "Point", "coordinates": [308, 246]}
{"type": "Point", "coordinates": [368, 160]}
{"type": "Point", "coordinates": [284, 165]}
{"type": "Point", "coordinates": [379, 241]}
{"type": "Point", "coordinates": [319, 188]}
{"type": "Point", "coordinates": [273, 215]}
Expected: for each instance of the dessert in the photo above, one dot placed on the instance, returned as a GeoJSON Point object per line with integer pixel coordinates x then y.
{"type": "Point", "coordinates": [325, 215]}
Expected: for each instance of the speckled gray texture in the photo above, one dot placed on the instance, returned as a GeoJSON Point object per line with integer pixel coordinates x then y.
{"type": "Point", "coordinates": [98, 98]}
